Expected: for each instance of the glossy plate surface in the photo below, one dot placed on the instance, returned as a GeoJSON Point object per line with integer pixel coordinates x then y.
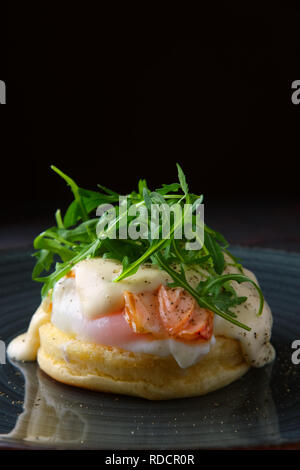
{"type": "Point", "coordinates": [262, 408]}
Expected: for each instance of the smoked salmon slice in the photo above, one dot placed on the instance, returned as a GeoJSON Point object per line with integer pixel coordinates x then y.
{"type": "Point", "coordinates": [176, 307]}
{"type": "Point", "coordinates": [168, 312]}
{"type": "Point", "coordinates": [142, 313]}
{"type": "Point", "coordinates": [199, 326]}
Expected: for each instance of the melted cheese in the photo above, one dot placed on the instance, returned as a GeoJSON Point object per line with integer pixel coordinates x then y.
{"type": "Point", "coordinates": [97, 292]}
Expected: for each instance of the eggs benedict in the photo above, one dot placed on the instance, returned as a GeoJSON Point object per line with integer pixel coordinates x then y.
{"type": "Point", "coordinates": [146, 318]}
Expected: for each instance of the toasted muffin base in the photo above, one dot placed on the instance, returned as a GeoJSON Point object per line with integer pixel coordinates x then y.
{"type": "Point", "coordinates": [109, 369]}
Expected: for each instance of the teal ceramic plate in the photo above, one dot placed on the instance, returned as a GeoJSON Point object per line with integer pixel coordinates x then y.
{"type": "Point", "coordinates": [262, 408]}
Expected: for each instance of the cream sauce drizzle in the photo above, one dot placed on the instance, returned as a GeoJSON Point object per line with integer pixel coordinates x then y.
{"type": "Point", "coordinates": [25, 346]}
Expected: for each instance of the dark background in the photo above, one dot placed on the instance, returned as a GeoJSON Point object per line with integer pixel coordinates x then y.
{"type": "Point", "coordinates": [114, 104]}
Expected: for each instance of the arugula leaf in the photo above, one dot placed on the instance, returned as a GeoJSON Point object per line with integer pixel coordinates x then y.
{"type": "Point", "coordinates": [182, 180]}
{"type": "Point", "coordinates": [203, 301]}
{"type": "Point", "coordinates": [219, 280]}
{"type": "Point", "coordinates": [225, 301]}
{"type": "Point", "coordinates": [147, 198]}
{"type": "Point", "coordinates": [74, 238]}
{"type": "Point", "coordinates": [74, 213]}
{"type": "Point", "coordinates": [53, 246]}
{"type": "Point", "coordinates": [142, 185]}
{"type": "Point", "coordinates": [168, 188]}
{"type": "Point", "coordinates": [44, 262]}
{"type": "Point", "coordinates": [154, 247]}
{"type": "Point", "coordinates": [215, 251]}
{"type": "Point", "coordinates": [58, 219]}
{"type": "Point", "coordinates": [157, 198]}
{"type": "Point", "coordinates": [132, 268]}
{"type": "Point", "coordinates": [75, 190]}
{"type": "Point", "coordinates": [108, 191]}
